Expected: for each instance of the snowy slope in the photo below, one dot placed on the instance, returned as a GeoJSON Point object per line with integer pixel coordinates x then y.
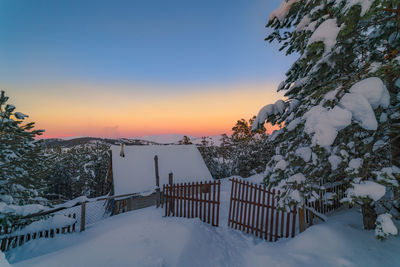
{"type": "Point", "coordinates": [145, 238]}
{"type": "Point", "coordinates": [164, 138]}
{"type": "Point", "coordinates": [135, 172]}
{"type": "Point", "coordinates": [175, 138]}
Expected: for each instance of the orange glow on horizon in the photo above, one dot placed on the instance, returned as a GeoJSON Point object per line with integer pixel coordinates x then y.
{"type": "Point", "coordinates": [78, 110]}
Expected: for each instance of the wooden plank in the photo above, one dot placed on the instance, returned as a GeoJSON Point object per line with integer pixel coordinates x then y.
{"type": "Point", "coordinates": [230, 203]}
{"type": "Point", "coordinates": [287, 224]}
{"type": "Point", "coordinates": [258, 188]}
{"type": "Point", "coordinates": [165, 188]}
{"type": "Point", "coordinates": [181, 199]}
{"type": "Point", "coordinates": [197, 199]}
{"type": "Point", "coordinates": [277, 219]}
{"type": "Point", "coordinates": [200, 201]}
{"type": "Point", "coordinates": [250, 185]}
{"type": "Point", "coordinates": [238, 208]}
{"type": "Point", "coordinates": [204, 202]}
{"type": "Point", "coordinates": [83, 216]}
{"type": "Point", "coordinates": [263, 192]}
{"type": "Point", "coordinates": [184, 199]}
{"type": "Point", "coordinates": [188, 199]}
{"type": "Point", "coordinates": [294, 221]}
{"type": "Point", "coordinates": [218, 200]}
{"type": "Point", "coordinates": [272, 215]}
{"type": "Point", "coordinates": [245, 205]}
{"type": "Point", "coordinates": [254, 205]}
{"type": "Point", "coordinates": [241, 205]}
{"type": "Point", "coordinates": [173, 200]}
{"type": "Point", "coordinates": [302, 222]}
{"type": "Point", "coordinates": [267, 210]}
{"type": "Point", "coordinates": [214, 203]}
{"type": "Point", "coordinates": [209, 203]}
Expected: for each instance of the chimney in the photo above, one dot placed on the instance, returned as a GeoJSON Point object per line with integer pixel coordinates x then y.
{"type": "Point", "coordinates": [122, 154]}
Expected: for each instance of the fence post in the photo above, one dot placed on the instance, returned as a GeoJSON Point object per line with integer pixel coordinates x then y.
{"type": "Point", "coordinates": [171, 199]}
{"type": "Point", "coordinates": [83, 216]}
{"type": "Point", "coordinates": [302, 221]}
{"type": "Point", "coordinates": [158, 196]}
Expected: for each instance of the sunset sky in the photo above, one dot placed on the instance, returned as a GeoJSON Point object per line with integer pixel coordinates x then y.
{"type": "Point", "coordinates": [132, 68]}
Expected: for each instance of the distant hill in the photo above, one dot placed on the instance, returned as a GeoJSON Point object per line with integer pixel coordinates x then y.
{"type": "Point", "coordinates": [144, 140]}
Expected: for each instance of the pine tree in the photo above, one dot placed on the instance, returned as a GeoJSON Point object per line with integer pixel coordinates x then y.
{"type": "Point", "coordinates": [185, 141]}
{"type": "Point", "coordinates": [342, 93]}
{"type": "Point", "coordinates": [21, 162]}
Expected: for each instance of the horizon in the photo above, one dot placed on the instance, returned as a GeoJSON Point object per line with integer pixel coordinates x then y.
{"type": "Point", "coordinates": [126, 69]}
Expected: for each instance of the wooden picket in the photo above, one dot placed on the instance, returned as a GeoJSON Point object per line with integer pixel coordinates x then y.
{"type": "Point", "coordinates": [12, 241]}
{"type": "Point", "coordinates": [193, 200]}
{"type": "Point", "coordinates": [253, 210]}
{"type": "Point", "coordinates": [324, 207]}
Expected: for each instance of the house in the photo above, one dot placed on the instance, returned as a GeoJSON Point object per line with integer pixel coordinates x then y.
{"type": "Point", "coordinates": [133, 171]}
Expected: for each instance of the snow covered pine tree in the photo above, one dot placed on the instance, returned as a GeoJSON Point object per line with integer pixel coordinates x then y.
{"type": "Point", "coordinates": [342, 94]}
{"type": "Point", "coordinates": [21, 166]}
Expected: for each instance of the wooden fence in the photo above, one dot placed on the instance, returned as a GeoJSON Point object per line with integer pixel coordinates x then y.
{"type": "Point", "coordinates": [323, 206]}
{"type": "Point", "coordinates": [12, 241]}
{"type": "Point", "coordinates": [193, 200]}
{"type": "Point", "coordinates": [253, 209]}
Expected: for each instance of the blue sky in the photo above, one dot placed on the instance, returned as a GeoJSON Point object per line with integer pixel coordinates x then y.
{"type": "Point", "coordinates": [146, 41]}
{"type": "Point", "coordinates": [52, 50]}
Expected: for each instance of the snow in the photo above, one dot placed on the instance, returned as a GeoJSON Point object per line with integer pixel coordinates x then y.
{"type": "Point", "coordinates": [383, 118]}
{"type": "Point", "coordinates": [175, 138]}
{"type": "Point", "coordinates": [385, 226]}
{"type": "Point", "coordinates": [327, 33]}
{"type": "Point", "coordinates": [304, 153]}
{"type": "Point", "coordinates": [365, 5]}
{"type": "Point", "coordinates": [361, 110]}
{"type": "Point", "coordinates": [373, 90]}
{"type": "Point", "coordinates": [325, 124]}
{"type": "Point", "coordinates": [165, 138]}
{"type": "Point", "coordinates": [378, 144]}
{"type": "Point", "coordinates": [366, 189]}
{"type": "Point", "coordinates": [297, 178]}
{"type": "Point", "coordinates": [135, 172]}
{"type": "Point", "coordinates": [365, 96]}
{"type": "Point", "coordinates": [56, 221]}
{"type": "Point", "coordinates": [24, 210]}
{"type": "Point", "coordinates": [3, 261]}
{"type": "Point", "coordinates": [303, 23]}
{"type": "Point", "coordinates": [334, 161]}
{"type": "Point", "coordinates": [281, 165]}
{"type": "Point", "coordinates": [283, 9]}
{"type": "Point", "coordinates": [387, 175]}
{"type": "Point", "coordinates": [146, 238]}
{"type": "Point", "coordinates": [293, 124]}
{"type": "Point", "coordinates": [356, 163]}
{"type": "Point", "coordinates": [295, 195]}
{"type": "Point", "coordinates": [272, 109]}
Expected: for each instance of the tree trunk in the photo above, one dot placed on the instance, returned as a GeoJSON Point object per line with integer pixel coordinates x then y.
{"type": "Point", "coordinates": [369, 216]}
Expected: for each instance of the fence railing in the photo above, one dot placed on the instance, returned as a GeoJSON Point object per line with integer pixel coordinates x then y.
{"type": "Point", "coordinates": [193, 200]}
{"type": "Point", "coordinates": [253, 209]}
{"type": "Point", "coordinates": [15, 239]}
{"type": "Point", "coordinates": [337, 189]}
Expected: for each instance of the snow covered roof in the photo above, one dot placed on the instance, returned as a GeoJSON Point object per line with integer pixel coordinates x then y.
{"type": "Point", "coordinates": [135, 173]}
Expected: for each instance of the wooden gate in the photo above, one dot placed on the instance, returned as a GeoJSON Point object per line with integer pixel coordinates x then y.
{"type": "Point", "coordinates": [193, 200]}
{"type": "Point", "coordinates": [253, 209]}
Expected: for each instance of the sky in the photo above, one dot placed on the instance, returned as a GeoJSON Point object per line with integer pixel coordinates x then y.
{"type": "Point", "coordinates": [132, 68]}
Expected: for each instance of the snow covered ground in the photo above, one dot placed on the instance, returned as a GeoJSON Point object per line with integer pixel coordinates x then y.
{"type": "Point", "coordinates": [145, 238]}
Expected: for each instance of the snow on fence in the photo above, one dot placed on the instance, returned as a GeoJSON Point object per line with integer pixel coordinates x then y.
{"type": "Point", "coordinates": [253, 210]}
{"type": "Point", "coordinates": [63, 220]}
{"type": "Point", "coordinates": [193, 200]}
{"type": "Point", "coordinates": [13, 237]}
{"type": "Point", "coordinates": [335, 191]}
